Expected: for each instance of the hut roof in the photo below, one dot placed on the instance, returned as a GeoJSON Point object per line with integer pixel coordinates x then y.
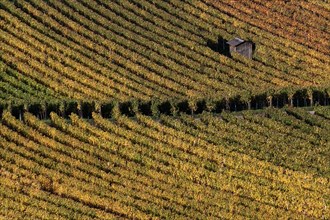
{"type": "Point", "coordinates": [235, 42]}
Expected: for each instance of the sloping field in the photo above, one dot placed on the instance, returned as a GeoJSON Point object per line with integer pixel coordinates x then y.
{"type": "Point", "coordinates": [102, 50]}
{"type": "Point", "coordinates": [138, 87]}
{"type": "Point", "coordinates": [174, 168]}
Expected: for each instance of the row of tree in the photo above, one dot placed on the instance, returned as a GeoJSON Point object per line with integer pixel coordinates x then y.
{"type": "Point", "coordinates": [112, 109]}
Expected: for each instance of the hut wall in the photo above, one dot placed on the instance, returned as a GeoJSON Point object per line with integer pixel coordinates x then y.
{"type": "Point", "coordinates": [245, 49]}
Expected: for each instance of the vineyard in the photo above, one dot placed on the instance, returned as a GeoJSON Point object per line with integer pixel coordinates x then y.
{"type": "Point", "coordinates": [131, 110]}
{"type": "Point", "coordinates": [101, 50]}
{"type": "Point", "coordinates": [253, 166]}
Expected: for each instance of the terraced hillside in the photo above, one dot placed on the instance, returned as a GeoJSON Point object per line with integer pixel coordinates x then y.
{"type": "Point", "coordinates": [103, 50]}
{"type": "Point", "coordinates": [271, 165]}
{"type": "Point", "coordinates": [128, 110]}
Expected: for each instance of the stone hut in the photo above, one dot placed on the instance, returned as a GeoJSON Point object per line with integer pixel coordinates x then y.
{"type": "Point", "coordinates": [240, 46]}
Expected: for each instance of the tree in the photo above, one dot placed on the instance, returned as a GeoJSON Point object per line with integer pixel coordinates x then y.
{"type": "Point", "coordinates": [246, 98]}
{"type": "Point", "coordinates": [309, 94]}
{"type": "Point", "coordinates": [192, 104]}
{"type": "Point", "coordinates": [115, 111]}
